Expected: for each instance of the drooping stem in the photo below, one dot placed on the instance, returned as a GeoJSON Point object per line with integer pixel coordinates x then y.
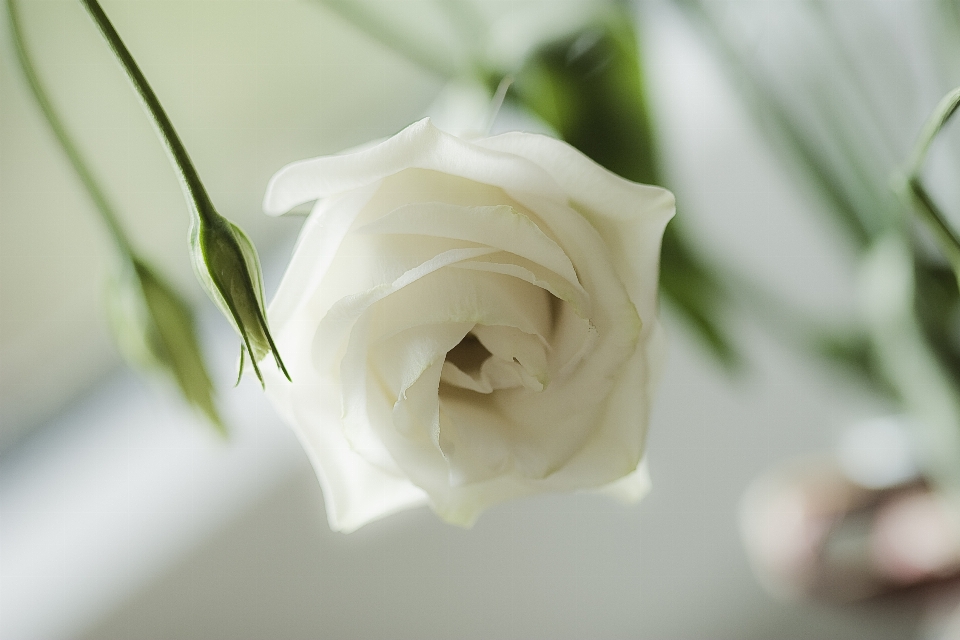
{"type": "Point", "coordinates": [104, 208]}
{"type": "Point", "coordinates": [190, 179]}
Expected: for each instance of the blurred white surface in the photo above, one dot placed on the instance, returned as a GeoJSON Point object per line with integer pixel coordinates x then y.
{"type": "Point", "coordinates": [107, 497]}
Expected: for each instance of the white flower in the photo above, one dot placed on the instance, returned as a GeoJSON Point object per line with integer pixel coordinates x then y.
{"type": "Point", "coordinates": [466, 322]}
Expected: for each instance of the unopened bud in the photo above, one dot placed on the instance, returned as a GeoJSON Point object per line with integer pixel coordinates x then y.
{"type": "Point", "coordinates": [227, 266]}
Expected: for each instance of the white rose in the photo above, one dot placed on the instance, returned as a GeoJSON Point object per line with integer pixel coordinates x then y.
{"type": "Point", "coordinates": [466, 322]}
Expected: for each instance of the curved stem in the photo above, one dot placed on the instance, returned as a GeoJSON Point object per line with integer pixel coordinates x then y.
{"type": "Point", "coordinates": [941, 114]}
{"type": "Point", "coordinates": [919, 197]}
{"type": "Point", "coordinates": [927, 209]}
{"type": "Point", "coordinates": [106, 210]}
{"type": "Point", "coordinates": [189, 177]}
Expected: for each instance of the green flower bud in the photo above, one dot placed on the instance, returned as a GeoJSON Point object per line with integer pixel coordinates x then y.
{"type": "Point", "coordinates": [227, 266]}
{"type": "Point", "coordinates": [155, 332]}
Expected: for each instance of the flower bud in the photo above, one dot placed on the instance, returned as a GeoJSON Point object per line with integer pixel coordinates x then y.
{"type": "Point", "coordinates": [227, 266]}
{"type": "Point", "coordinates": [155, 332]}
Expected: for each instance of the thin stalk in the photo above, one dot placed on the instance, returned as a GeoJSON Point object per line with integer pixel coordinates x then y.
{"type": "Point", "coordinates": [922, 202]}
{"type": "Point", "coordinates": [941, 114]}
{"type": "Point", "coordinates": [930, 213]}
{"type": "Point", "coordinates": [190, 179]}
{"type": "Point", "coordinates": [496, 103]}
{"type": "Point", "coordinates": [104, 208]}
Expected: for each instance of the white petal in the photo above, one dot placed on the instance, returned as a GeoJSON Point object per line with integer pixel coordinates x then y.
{"type": "Point", "coordinates": [454, 295]}
{"type": "Point", "coordinates": [336, 325]}
{"type": "Point", "coordinates": [501, 226]}
{"type": "Point", "coordinates": [422, 146]}
{"type": "Point", "coordinates": [364, 263]}
{"type": "Point", "coordinates": [401, 360]}
{"type": "Point", "coordinates": [473, 440]}
{"type": "Point", "coordinates": [453, 375]}
{"type": "Point", "coordinates": [630, 488]}
{"type": "Point", "coordinates": [629, 216]}
{"type": "Point", "coordinates": [509, 344]}
{"type": "Point", "coordinates": [616, 447]}
{"type": "Point", "coordinates": [534, 274]}
{"type": "Point", "coordinates": [317, 244]}
{"type": "Point", "coordinates": [355, 491]}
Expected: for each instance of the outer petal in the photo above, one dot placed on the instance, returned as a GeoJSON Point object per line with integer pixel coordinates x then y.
{"type": "Point", "coordinates": [502, 227]}
{"type": "Point", "coordinates": [355, 491]}
{"type": "Point", "coordinates": [617, 445]}
{"type": "Point", "coordinates": [630, 217]}
{"type": "Point", "coordinates": [419, 146]}
{"type": "Point", "coordinates": [631, 487]}
{"type": "Point", "coordinates": [319, 239]}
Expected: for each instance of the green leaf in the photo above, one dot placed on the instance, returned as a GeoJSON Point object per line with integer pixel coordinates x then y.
{"type": "Point", "coordinates": [697, 292]}
{"type": "Point", "coordinates": [589, 87]}
{"type": "Point", "coordinates": [155, 331]}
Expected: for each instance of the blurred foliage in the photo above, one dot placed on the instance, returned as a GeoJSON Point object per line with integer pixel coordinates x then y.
{"type": "Point", "coordinates": [590, 88]}
{"type": "Point", "coordinates": [155, 331]}
{"type": "Point", "coordinates": [819, 100]}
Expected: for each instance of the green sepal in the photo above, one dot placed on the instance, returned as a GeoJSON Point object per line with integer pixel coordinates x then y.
{"type": "Point", "coordinates": [156, 333]}
{"type": "Point", "coordinates": [228, 268]}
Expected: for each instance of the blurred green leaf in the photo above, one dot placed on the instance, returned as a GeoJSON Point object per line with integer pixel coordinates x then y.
{"type": "Point", "coordinates": [590, 88]}
{"type": "Point", "coordinates": [815, 131]}
{"type": "Point", "coordinates": [155, 331]}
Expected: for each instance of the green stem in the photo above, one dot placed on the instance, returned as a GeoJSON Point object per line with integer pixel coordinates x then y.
{"type": "Point", "coordinates": [941, 114]}
{"type": "Point", "coordinates": [931, 214]}
{"type": "Point", "coordinates": [370, 24]}
{"type": "Point", "coordinates": [923, 204]}
{"type": "Point", "coordinates": [202, 205]}
{"type": "Point", "coordinates": [106, 210]}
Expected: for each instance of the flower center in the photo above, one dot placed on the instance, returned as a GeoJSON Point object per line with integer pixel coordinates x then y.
{"type": "Point", "coordinates": [495, 357]}
{"type": "Point", "coordinates": [469, 355]}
